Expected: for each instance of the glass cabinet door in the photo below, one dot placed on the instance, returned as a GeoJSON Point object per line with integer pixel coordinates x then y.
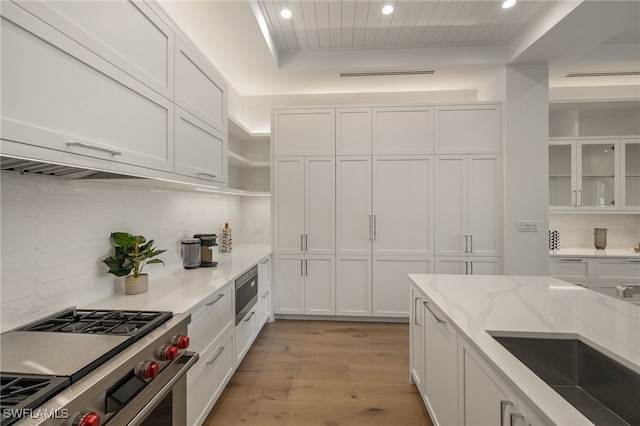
{"type": "Point", "coordinates": [630, 159]}
{"type": "Point", "coordinates": [562, 191]}
{"type": "Point", "coordinates": [597, 180]}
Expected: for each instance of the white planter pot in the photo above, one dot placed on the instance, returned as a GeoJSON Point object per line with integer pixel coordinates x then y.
{"type": "Point", "coordinates": [136, 285]}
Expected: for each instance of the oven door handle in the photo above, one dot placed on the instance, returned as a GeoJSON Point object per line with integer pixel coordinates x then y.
{"type": "Point", "coordinates": [159, 396]}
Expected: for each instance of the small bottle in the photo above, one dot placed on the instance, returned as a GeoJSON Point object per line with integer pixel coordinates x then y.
{"type": "Point", "coordinates": [225, 242]}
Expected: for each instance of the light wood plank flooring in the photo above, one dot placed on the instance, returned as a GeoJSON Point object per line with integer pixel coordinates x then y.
{"type": "Point", "coordinates": [323, 373]}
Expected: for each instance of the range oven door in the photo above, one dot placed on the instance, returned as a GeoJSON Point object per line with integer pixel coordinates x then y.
{"type": "Point", "coordinates": [246, 293]}
{"type": "Point", "coordinates": [163, 401]}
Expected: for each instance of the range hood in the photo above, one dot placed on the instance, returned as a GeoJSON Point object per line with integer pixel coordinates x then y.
{"type": "Point", "coordinates": [34, 167]}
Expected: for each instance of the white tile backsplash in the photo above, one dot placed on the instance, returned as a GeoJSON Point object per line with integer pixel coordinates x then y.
{"type": "Point", "coordinates": [576, 230]}
{"type": "Point", "coordinates": [55, 232]}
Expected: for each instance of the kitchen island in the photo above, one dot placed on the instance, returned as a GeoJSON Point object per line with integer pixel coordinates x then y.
{"type": "Point", "coordinates": [467, 377]}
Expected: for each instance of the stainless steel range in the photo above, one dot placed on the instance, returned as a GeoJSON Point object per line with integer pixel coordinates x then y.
{"type": "Point", "coordinates": [96, 367]}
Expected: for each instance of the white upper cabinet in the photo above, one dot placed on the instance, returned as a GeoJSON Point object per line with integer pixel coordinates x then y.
{"type": "Point", "coordinates": [468, 212]}
{"type": "Point", "coordinates": [354, 218]}
{"type": "Point", "coordinates": [468, 129]}
{"type": "Point", "coordinates": [60, 96]}
{"type": "Point", "coordinates": [200, 149]}
{"type": "Point", "coordinates": [304, 132]}
{"type": "Point", "coordinates": [353, 131]}
{"type": "Point", "coordinates": [403, 130]}
{"type": "Point", "coordinates": [630, 174]}
{"type": "Point", "coordinates": [288, 205]}
{"type": "Point", "coordinates": [320, 205]}
{"type": "Point", "coordinates": [199, 88]}
{"type": "Point", "coordinates": [140, 44]}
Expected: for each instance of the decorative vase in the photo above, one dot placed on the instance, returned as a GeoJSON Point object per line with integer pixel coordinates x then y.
{"type": "Point", "coordinates": [600, 238]}
{"type": "Point", "coordinates": [226, 242]}
{"type": "Point", "coordinates": [136, 285]}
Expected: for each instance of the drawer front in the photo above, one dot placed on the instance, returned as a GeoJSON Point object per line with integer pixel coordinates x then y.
{"type": "Point", "coordinates": [570, 268]}
{"type": "Point", "coordinates": [245, 333]}
{"type": "Point", "coordinates": [208, 381]}
{"type": "Point", "coordinates": [610, 290]}
{"type": "Point", "coordinates": [211, 319]}
{"type": "Point", "coordinates": [627, 270]}
{"type": "Point", "coordinates": [263, 307]}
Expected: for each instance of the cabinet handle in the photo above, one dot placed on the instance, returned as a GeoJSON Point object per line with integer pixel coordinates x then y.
{"type": "Point", "coordinates": [306, 266]}
{"type": "Point", "coordinates": [250, 315]}
{"type": "Point", "coordinates": [264, 262]}
{"type": "Point", "coordinates": [220, 350]}
{"type": "Point", "coordinates": [415, 311]}
{"type": "Point", "coordinates": [633, 260]}
{"type": "Point", "coordinates": [375, 227]}
{"type": "Point", "coordinates": [466, 267]}
{"type": "Point", "coordinates": [574, 198]}
{"type": "Point", "coordinates": [266, 293]}
{"type": "Point", "coordinates": [306, 242]}
{"type": "Point", "coordinates": [471, 265]}
{"type": "Point", "coordinates": [466, 244]}
{"type": "Point", "coordinates": [95, 148]}
{"type": "Point", "coordinates": [470, 243]}
{"type": "Point", "coordinates": [581, 198]}
{"type": "Point", "coordinates": [514, 417]}
{"type": "Point", "coordinates": [503, 410]}
{"type": "Point", "coordinates": [570, 260]}
{"type": "Point", "coordinates": [220, 296]}
{"type": "Point", "coordinates": [208, 175]}
{"type": "Point", "coordinates": [440, 321]}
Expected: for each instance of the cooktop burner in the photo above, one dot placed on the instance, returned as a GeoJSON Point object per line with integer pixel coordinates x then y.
{"type": "Point", "coordinates": [124, 323]}
{"type": "Point", "coordinates": [19, 393]}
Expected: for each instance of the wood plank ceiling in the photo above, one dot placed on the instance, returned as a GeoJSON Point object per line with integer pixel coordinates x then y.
{"type": "Point", "coordinates": [357, 24]}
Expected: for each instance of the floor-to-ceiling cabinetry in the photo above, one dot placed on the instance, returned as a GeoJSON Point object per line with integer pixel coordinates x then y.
{"type": "Point", "coordinates": [378, 217]}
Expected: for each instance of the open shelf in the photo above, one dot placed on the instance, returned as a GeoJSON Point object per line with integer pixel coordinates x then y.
{"type": "Point", "coordinates": [240, 161]}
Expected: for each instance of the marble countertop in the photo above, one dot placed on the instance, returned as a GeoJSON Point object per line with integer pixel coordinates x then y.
{"type": "Point", "coordinates": [180, 290]}
{"type": "Point", "coordinates": [592, 252]}
{"type": "Point", "coordinates": [481, 304]}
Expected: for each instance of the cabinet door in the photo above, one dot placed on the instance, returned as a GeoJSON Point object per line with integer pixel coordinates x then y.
{"type": "Point", "coordinates": [141, 44]}
{"type": "Point", "coordinates": [485, 265]}
{"type": "Point", "coordinates": [211, 319]}
{"type": "Point", "coordinates": [320, 205]}
{"type": "Point", "coordinates": [263, 310]}
{"type": "Point", "coordinates": [353, 131]}
{"type": "Point", "coordinates": [484, 205]}
{"type": "Point", "coordinates": [571, 269]}
{"type": "Point", "coordinates": [200, 150]}
{"type": "Point", "coordinates": [598, 174]}
{"type": "Point", "coordinates": [304, 132]}
{"type": "Point", "coordinates": [562, 175]}
{"type": "Point", "coordinates": [353, 286]}
{"type": "Point", "coordinates": [451, 234]}
{"type": "Point", "coordinates": [441, 366]}
{"type": "Point", "coordinates": [403, 206]}
{"type": "Point", "coordinates": [245, 334]}
{"type": "Point", "coordinates": [199, 88]}
{"type": "Point", "coordinates": [354, 220]}
{"type": "Point", "coordinates": [320, 285]}
{"type": "Point", "coordinates": [403, 130]}
{"type": "Point", "coordinates": [455, 265]}
{"type": "Point", "coordinates": [391, 284]}
{"type": "Point", "coordinates": [416, 340]}
{"type": "Point", "coordinates": [288, 284]}
{"type": "Point", "coordinates": [468, 129]}
{"type": "Point", "coordinates": [630, 172]}
{"type": "Point", "coordinates": [618, 270]}
{"type": "Point", "coordinates": [288, 205]}
{"type": "Point", "coordinates": [60, 96]}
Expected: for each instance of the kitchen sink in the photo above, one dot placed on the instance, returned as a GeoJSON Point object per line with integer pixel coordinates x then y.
{"type": "Point", "coordinates": [603, 390]}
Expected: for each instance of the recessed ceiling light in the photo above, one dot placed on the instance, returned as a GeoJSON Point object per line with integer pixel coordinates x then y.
{"type": "Point", "coordinates": [508, 3]}
{"type": "Point", "coordinates": [388, 9]}
{"type": "Point", "coordinates": [286, 13]}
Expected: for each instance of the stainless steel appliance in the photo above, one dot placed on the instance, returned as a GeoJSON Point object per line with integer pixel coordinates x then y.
{"type": "Point", "coordinates": [96, 367]}
{"type": "Point", "coordinates": [246, 292]}
{"type": "Point", "coordinates": [207, 244]}
{"type": "Point", "coordinates": [191, 253]}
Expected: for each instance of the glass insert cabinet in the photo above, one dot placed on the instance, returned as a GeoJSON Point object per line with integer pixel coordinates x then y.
{"type": "Point", "coordinates": [594, 174]}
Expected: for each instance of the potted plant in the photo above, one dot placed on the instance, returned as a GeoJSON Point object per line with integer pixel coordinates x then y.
{"type": "Point", "coordinates": [132, 253]}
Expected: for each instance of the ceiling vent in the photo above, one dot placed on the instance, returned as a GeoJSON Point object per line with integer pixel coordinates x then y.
{"type": "Point", "coordinates": [383, 73]}
{"type": "Point", "coordinates": [603, 74]}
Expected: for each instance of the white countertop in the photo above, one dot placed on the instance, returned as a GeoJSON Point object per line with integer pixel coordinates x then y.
{"type": "Point", "coordinates": [179, 290]}
{"type": "Point", "coordinates": [592, 252]}
{"type": "Point", "coordinates": [477, 304]}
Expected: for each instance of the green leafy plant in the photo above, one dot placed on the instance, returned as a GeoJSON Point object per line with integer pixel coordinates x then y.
{"type": "Point", "coordinates": [132, 253]}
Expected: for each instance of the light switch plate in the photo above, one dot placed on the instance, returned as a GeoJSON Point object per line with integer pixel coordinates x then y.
{"type": "Point", "coordinates": [527, 226]}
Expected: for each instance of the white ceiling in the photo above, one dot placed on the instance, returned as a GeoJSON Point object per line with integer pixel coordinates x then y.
{"type": "Point", "coordinates": [468, 43]}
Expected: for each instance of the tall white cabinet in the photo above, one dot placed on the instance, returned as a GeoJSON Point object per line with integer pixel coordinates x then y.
{"type": "Point", "coordinates": [393, 205]}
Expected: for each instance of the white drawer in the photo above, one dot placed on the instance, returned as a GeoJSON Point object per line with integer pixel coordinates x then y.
{"type": "Point", "coordinates": [570, 268]}
{"type": "Point", "coordinates": [214, 370]}
{"type": "Point", "coordinates": [610, 290]}
{"type": "Point", "coordinates": [211, 319]}
{"type": "Point", "coordinates": [627, 270]}
{"type": "Point", "coordinates": [245, 333]}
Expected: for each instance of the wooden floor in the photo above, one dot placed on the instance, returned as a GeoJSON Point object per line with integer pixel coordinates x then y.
{"type": "Point", "coordinates": [323, 373]}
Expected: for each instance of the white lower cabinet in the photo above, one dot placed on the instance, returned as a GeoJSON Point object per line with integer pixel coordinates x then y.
{"type": "Point", "coordinates": [212, 318]}
{"type": "Point", "coordinates": [246, 332]}
{"type": "Point", "coordinates": [213, 372]}
{"type": "Point", "coordinates": [391, 284]}
{"type": "Point", "coordinates": [263, 308]}
{"type": "Point", "coordinates": [416, 341]}
{"type": "Point", "coordinates": [354, 291]}
{"type": "Point", "coordinates": [464, 265]}
{"type": "Point", "coordinates": [305, 284]}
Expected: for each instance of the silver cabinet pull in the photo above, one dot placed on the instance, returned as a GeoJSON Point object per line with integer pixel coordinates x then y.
{"type": "Point", "coordinates": [95, 148]}
{"type": "Point", "coordinates": [503, 410]}
{"type": "Point", "coordinates": [416, 303]}
{"type": "Point", "coordinates": [264, 262]}
{"type": "Point", "coordinates": [440, 321]}
{"type": "Point", "coordinates": [207, 175]}
{"type": "Point", "coordinates": [466, 244]}
{"type": "Point", "coordinates": [570, 260]}
{"type": "Point", "coordinates": [220, 296]}
{"type": "Point", "coordinates": [220, 350]}
{"type": "Point", "coordinates": [471, 265]}
{"type": "Point", "coordinates": [470, 243]}
{"type": "Point", "coordinates": [514, 417]}
{"type": "Point", "coordinates": [306, 242]}
{"type": "Point", "coordinates": [250, 315]}
{"type": "Point", "coordinates": [466, 267]}
{"type": "Point", "coordinates": [375, 227]}
{"type": "Point", "coordinates": [266, 293]}
{"type": "Point", "coordinates": [581, 203]}
{"type": "Point", "coordinates": [306, 266]}
{"type": "Point", "coordinates": [633, 260]}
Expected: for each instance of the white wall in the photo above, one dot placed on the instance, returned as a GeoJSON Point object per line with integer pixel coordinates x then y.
{"type": "Point", "coordinates": [55, 232]}
{"type": "Point", "coordinates": [526, 169]}
{"type": "Point", "coordinates": [576, 230]}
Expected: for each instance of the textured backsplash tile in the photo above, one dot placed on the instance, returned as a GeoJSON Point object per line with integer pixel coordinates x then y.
{"type": "Point", "coordinates": [55, 232]}
{"type": "Point", "coordinates": [576, 230]}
